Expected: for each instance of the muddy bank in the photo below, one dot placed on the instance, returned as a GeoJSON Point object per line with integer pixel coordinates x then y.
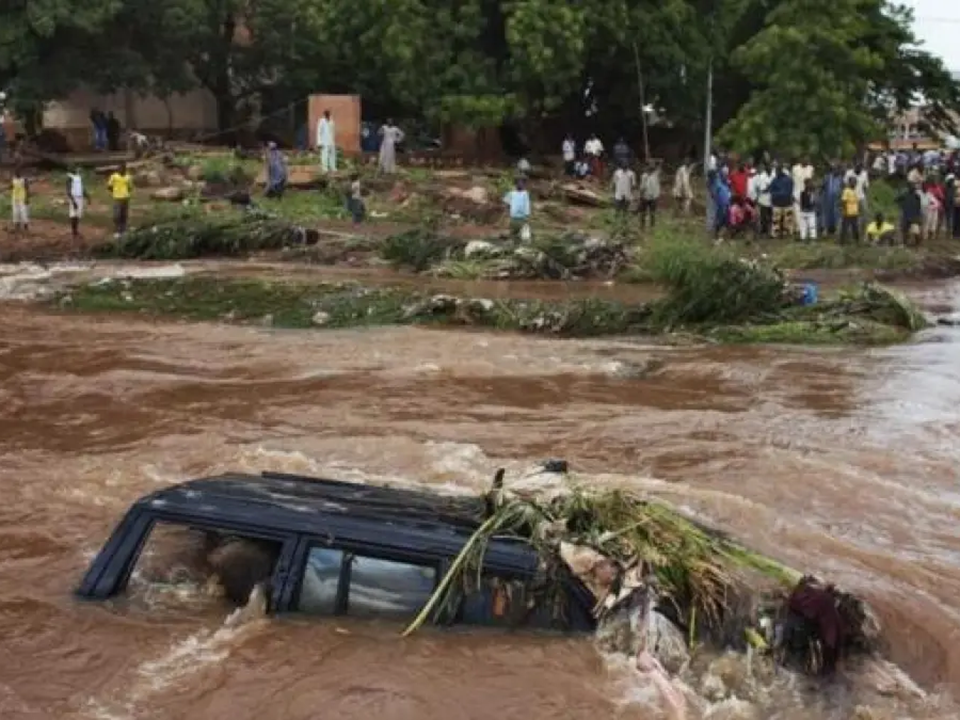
{"type": "Point", "coordinates": [869, 315]}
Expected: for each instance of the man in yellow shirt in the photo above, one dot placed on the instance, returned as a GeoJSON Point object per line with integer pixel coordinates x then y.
{"type": "Point", "coordinates": [880, 232]}
{"type": "Point", "coordinates": [121, 185]}
{"type": "Point", "coordinates": [850, 212]}
{"type": "Point", "coordinates": [20, 202]}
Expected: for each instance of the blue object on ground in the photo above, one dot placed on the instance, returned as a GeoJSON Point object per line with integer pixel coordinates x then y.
{"type": "Point", "coordinates": [810, 292]}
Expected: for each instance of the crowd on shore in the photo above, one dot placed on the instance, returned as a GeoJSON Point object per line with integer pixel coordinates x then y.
{"type": "Point", "coordinates": [774, 199]}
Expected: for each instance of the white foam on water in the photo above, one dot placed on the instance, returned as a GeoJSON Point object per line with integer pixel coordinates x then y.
{"type": "Point", "coordinates": [138, 272]}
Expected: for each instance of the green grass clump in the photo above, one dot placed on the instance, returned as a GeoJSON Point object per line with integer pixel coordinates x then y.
{"type": "Point", "coordinates": [706, 284]}
{"type": "Point", "coordinates": [419, 249]}
{"type": "Point", "coordinates": [225, 170]}
{"type": "Point", "coordinates": [194, 234]}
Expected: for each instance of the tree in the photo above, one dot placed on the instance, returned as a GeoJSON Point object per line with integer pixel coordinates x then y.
{"type": "Point", "coordinates": [810, 69]}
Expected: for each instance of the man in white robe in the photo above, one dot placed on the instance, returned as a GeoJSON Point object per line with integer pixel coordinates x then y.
{"type": "Point", "coordinates": [326, 141]}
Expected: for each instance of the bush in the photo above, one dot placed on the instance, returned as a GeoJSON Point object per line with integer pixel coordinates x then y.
{"type": "Point", "coordinates": [706, 284]}
{"type": "Point", "coordinates": [194, 236]}
{"type": "Point", "coordinates": [223, 170]}
{"type": "Point", "coordinates": [419, 249]}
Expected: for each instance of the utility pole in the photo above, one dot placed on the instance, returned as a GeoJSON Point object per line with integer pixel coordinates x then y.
{"type": "Point", "coordinates": [643, 105]}
{"type": "Point", "coordinates": [708, 122]}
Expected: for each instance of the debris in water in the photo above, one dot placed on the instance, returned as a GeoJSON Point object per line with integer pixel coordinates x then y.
{"type": "Point", "coordinates": [664, 584]}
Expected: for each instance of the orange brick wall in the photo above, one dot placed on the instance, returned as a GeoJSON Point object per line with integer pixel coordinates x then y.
{"type": "Point", "coordinates": [345, 112]}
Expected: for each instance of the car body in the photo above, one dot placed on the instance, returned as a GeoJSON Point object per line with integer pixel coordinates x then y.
{"type": "Point", "coordinates": [349, 549]}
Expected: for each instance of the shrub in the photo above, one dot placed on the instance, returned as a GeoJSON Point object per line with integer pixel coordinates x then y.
{"type": "Point", "coordinates": [707, 284]}
{"type": "Point", "coordinates": [418, 249]}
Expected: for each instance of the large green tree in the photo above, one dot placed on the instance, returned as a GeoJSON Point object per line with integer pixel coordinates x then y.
{"type": "Point", "coordinates": [811, 77]}
{"type": "Point", "coordinates": [825, 75]}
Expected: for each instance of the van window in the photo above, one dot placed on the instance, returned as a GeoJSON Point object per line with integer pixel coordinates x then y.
{"type": "Point", "coordinates": [388, 587]}
{"type": "Point", "coordinates": [182, 564]}
{"type": "Point", "coordinates": [321, 580]}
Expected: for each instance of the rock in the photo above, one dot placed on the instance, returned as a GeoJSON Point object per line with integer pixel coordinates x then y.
{"type": "Point", "coordinates": [666, 643]}
{"type": "Point", "coordinates": [320, 318]}
{"type": "Point", "coordinates": [581, 195]}
{"type": "Point", "coordinates": [436, 305]}
{"type": "Point", "coordinates": [170, 194]}
{"type": "Point", "coordinates": [477, 193]}
{"type": "Point", "coordinates": [148, 178]}
{"type": "Point", "coordinates": [195, 172]}
{"type": "Point", "coordinates": [482, 249]}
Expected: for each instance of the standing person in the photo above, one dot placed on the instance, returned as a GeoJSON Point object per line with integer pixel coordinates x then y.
{"type": "Point", "coordinates": [862, 178]}
{"type": "Point", "coordinates": [76, 195]}
{"type": "Point", "coordinates": [624, 180]}
{"type": "Point", "coordinates": [276, 171]}
{"type": "Point", "coordinates": [621, 152]}
{"type": "Point", "coordinates": [326, 141]}
{"type": "Point", "coordinates": [593, 149]}
{"type": "Point", "coordinates": [911, 214]}
{"type": "Point", "coordinates": [949, 200]}
{"type": "Point", "coordinates": [808, 212]}
{"type": "Point", "coordinates": [955, 232]}
{"type": "Point", "coordinates": [682, 191]}
{"type": "Point", "coordinates": [720, 198]}
{"type": "Point", "coordinates": [112, 130]}
{"type": "Point", "coordinates": [569, 150]}
{"type": "Point", "coordinates": [801, 171]}
{"type": "Point", "coordinates": [98, 120]}
{"type": "Point", "coordinates": [850, 212]}
{"type": "Point", "coordinates": [121, 187]}
{"type": "Point", "coordinates": [20, 202]}
{"type": "Point", "coordinates": [830, 201]}
{"type": "Point", "coordinates": [649, 195]}
{"type": "Point", "coordinates": [739, 180]}
{"type": "Point", "coordinates": [518, 202]}
{"type": "Point", "coordinates": [391, 136]}
{"type": "Point", "coordinates": [760, 194]}
{"type": "Point", "coordinates": [930, 210]}
{"type": "Point", "coordinates": [355, 205]}
{"type": "Point", "coordinates": [781, 198]}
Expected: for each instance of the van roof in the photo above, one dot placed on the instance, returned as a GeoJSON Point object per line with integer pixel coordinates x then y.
{"type": "Point", "coordinates": [415, 521]}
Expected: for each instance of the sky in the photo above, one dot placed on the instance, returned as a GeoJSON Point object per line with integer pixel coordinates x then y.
{"type": "Point", "coordinates": [937, 24]}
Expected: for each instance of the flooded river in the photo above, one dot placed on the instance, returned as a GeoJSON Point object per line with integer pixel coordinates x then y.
{"type": "Point", "coordinates": [843, 462]}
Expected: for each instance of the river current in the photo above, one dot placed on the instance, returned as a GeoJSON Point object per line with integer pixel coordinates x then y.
{"type": "Point", "coordinates": [842, 462]}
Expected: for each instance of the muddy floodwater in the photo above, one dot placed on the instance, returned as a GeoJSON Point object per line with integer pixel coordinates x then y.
{"type": "Point", "coordinates": [842, 461]}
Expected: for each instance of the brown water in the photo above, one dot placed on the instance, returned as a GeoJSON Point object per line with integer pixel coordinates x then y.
{"type": "Point", "coordinates": [842, 462]}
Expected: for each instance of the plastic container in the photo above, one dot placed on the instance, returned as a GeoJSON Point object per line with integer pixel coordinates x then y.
{"type": "Point", "coordinates": [811, 292]}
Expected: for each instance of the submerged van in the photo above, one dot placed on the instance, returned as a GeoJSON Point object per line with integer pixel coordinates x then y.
{"type": "Point", "coordinates": [325, 547]}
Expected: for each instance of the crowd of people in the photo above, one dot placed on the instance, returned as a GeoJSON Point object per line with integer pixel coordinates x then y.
{"type": "Point", "coordinates": [774, 199]}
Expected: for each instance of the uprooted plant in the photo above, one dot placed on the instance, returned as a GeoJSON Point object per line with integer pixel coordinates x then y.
{"type": "Point", "coordinates": [195, 235]}
{"type": "Point", "coordinates": [641, 557]}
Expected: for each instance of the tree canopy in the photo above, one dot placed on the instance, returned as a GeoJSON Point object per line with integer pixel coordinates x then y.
{"type": "Point", "coordinates": [804, 77]}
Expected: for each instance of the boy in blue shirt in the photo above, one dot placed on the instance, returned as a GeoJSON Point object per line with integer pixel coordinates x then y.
{"type": "Point", "coordinates": [518, 200]}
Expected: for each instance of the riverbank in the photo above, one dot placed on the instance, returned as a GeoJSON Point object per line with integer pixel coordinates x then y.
{"type": "Point", "coordinates": [447, 223]}
{"type": "Point", "coordinates": [866, 316]}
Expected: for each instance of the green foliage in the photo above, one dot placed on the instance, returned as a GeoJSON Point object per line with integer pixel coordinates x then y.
{"type": "Point", "coordinates": [225, 170]}
{"type": "Point", "coordinates": [418, 249]}
{"type": "Point", "coordinates": [194, 235]}
{"type": "Point", "coordinates": [813, 77]}
{"type": "Point", "coordinates": [710, 285]}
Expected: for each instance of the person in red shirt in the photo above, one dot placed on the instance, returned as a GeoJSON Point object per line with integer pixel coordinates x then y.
{"type": "Point", "coordinates": [739, 179]}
